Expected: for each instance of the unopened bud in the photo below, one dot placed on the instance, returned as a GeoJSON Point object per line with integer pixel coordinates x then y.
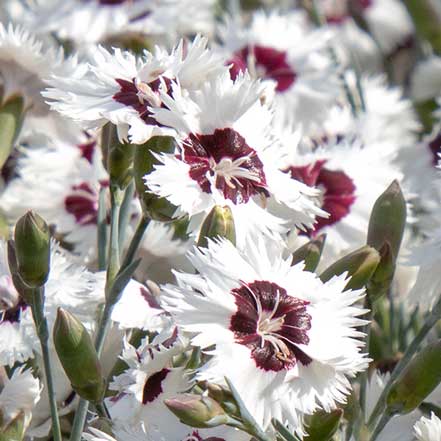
{"type": "Point", "coordinates": [223, 396]}
{"type": "Point", "coordinates": [197, 410]}
{"type": "Point", "coordinates": [421, 376]}
{"type": "Point", "coordinates": [388, 219]}
{"type": "Point", "coordinates": [321, 425]}
{"type": "Point", "coordinates": [32, 248]}
{"type": "Point", "coordinates": [153, 206]}
{"type": "Point", "coordinates": [360, 265]}
{"type": "Point", "coordinates": [380, 281]}
{"type": "Point", "coordinates": [11, 118]}
{"type": "Point", "coordinates": [14, 430]}
{"type": "Point", "coordinates": [118, 157]}
{"type": "Point", "coordinates": [310, 253]}
{"type": "Point", "coordinates": [78, 357]}
{"type": "Point", "coordinates": [218, 223]}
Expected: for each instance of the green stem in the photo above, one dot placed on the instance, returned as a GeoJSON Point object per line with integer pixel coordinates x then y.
{"type": "Point", "coordinates": [125, 212]}
{"type": "Point", "coordinates": [113, 261]}
{"type": "Point", "coordinates": [135, 242]}
{"type": "Point", "coordinates": [43, 335]}
{"type": "Point", "coordinates": [79, 420]}
{"type": "Point", "coordinates": [380, 426]}
{"type": "Point", "coordinates": [433, 317]}
{"type": "Point", "coordinates": [102, 230]}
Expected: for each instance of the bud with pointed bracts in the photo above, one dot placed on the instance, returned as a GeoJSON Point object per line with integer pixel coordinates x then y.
{"type": "Point", "coordinates": [420, 377]}
{"type": "Point", "coordinates": [78, 357]}
{"type": "Point", "coordinates": [218, 223]}
{"type": "Point", "coordinates": [197, 410]}
{"type": "Point", "coordinates": [360, 265]}
{"type": "Point", "coordinates": [32, 249]}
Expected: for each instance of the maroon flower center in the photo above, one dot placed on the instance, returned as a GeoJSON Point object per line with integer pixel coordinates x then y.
{"type": "Point", "coordinates": [194, 436]}
{"type": "Point", "coordinates": [224, 160]}
{"type": "Point", "coordinates": [340, 13]}
{"type": "Point", "coordinates": [338, 190]}
{"type": "Point", "coordinates": [140, 96]}
{"type": "Point", "coordinates": [153, 386]}
{"type": "Point", "coordinates": [82, 203]}
{"type": "Point", "coordinates": [435, 148]}
{"type": "Point", "coordinates": [13, 313]}
{"type": "Point", "coordinates": [87, 150]}
{"type": "Point", "coordinates": [271, 323]}
{"type": "Point", "coordinates": [267, 62]}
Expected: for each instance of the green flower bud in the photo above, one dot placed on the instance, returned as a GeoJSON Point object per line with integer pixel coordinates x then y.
{"type": "Point", "coordinates": [421, 376]}
{"type": "Point", "coordinates": [218, 223]}
{"type": "Point", "coordinates": [155, 207]}
{"type": "Point", "coordinates": [14, 430]}
{"type": "Point", "coordinates": [78, 357]}
{"type": "Point", "coordinates": [310, 253]}
{"type": "Point", "coordinates": [360, 266]}
{"type": "Point", "coordinates": [118, 157]}
{"type": "Point", "coordinates": [11, 119]}
{"type": "Point", "coordinates": [223, 396]}
{"type": "Point", "coordinates": [197, 410]}
{"type": "Point", "coordinates": [388, 219]}
{"type": "Point", "coordinates": [32, 247]}
{"type": "Point", "coordinates": [321, 426]}
{"type": "Point", "coordinates": [380, 281]}
{"type": "Point", "coordinates": [23, 290]}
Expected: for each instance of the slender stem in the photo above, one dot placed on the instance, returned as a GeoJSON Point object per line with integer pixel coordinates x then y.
{"type": "Point", "coordinates": [103, 328]}
{"type": "Point", "coordinates": [124, 215]}
{"type": "Point", "coordinates": [135, 242]}
{"type": "Point", "coordinates": [43, 335]}
{"type": "Point", "coordinates": [113, 261]}
{"type": "Point", "coordinates": [79, 420]}
{"type": "Point", "coordinates": [433, 317]}
{"type": "Point", "coordinates": [102, 230]}
{"type": "Point", "coordinates": [380, 426]}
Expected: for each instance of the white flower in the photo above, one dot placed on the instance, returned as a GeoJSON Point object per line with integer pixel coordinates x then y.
{"type": "Point", "coordinates": [61, 181]}
{"type": "Point", "coordinates": [428, 429]}
{"type": "Point", "coordinates": [227, 156]}
{"type": "Point", "coordinates": [286, 51]}
{"type": "Point", "coordinates": [294, 337]}
{"type": "Point", "coordinates": [88, 22]}
{"type": "Point", "coordinates": [20, 393]}
{"type": "Point", "coordinates": [122, 89]}
{"type": "Point", "coordinates": [426, 83]}
{"type": "Point", "coordinates": [351, 176]}
{"type": "Point", "coordinates": [138, 307]}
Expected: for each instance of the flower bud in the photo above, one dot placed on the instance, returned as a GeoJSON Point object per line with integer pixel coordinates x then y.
{"type": "Point", "coordinates": [153, 206]}
{"type": "Point", "coordinates": [78, 357]}
{"type": "Point", "coordinates": [421, 376]}
{"type": "Point", "coordinates": [197, 410]}
{"type": "Point", "coordinates": [380, 281]}
{"type": "Point", "coordinates": [14, 430]}
{"type": "Point", "coordinates": [388, 219]}
{"type": "Point", "coordinates": [218, 223]}
{"type": "Point", "coordinates": [310, 253]}
{"type": "Point", "coordinates": [223, 396]}
{"type": "Point", "coordinates": [11, 119]}
{"type": "Point", "coordinates": [321, 425]}
{"type": "Point", "coordinates": [118, 157]}
{"type": "Point", "coordinates": [32, 248]}
{"type": "Point", "coordinates": [360, 266]}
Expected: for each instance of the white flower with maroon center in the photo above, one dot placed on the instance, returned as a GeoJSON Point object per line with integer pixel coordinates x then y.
{"type": "Point", "coordinates": [227, 156]}
{"type": "Point", "coordinates": [388, 20]}
{"type": "Point", "coordinates": [284, 50]}
{"type": "Point", "coordinates": [293, 336]}
{"type": "Point", "coordinates": [86, 22]}
{"type": "Point", "coordinates": [351, 176]}
{"type": "Point", "coordinates": [122, 89]}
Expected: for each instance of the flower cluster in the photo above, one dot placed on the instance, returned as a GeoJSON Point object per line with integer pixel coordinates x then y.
{"type": "Point", "coordinates": [219, 220]}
